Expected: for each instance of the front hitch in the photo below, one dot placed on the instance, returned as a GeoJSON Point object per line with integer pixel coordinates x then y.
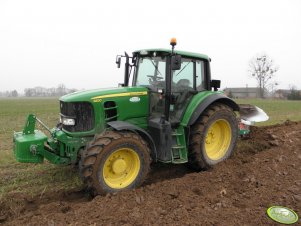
{"type": "Point", "coordinates": [33, 145]}
{"type": "Point", "coordinates": [29, 144]}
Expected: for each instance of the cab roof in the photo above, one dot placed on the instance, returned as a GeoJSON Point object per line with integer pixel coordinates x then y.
{"type": "Point", "coordinates": [180, 52]}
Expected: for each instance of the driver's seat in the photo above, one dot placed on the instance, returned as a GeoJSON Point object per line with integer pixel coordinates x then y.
{"type": "Point", "coordinates": [183, 95]}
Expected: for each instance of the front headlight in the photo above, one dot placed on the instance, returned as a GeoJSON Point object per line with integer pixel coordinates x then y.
{"type": "Point", "coordinates": [68, 121]}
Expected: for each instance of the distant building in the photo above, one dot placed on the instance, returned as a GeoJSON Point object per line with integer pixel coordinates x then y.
{"type": "Point", "coordinates": [243, 92]}
{"type": "Point", "coordinates": [288, 94]}
{"type": "Point", "coordinates": [282, 93]}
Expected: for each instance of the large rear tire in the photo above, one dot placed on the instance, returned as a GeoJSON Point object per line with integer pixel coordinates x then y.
{"type": "Point", "coordinates": [114, 161]}
{"type": "Point", "coordinates": [213, 137]}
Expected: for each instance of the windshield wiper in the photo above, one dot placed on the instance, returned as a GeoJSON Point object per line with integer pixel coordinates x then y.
{"type": "Point", "coordinates": [156, 68]}
{"type": "Point", "coordinates": [183, 68]}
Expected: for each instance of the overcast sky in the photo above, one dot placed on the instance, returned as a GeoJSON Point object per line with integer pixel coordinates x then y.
{"type": "Point", "coordinates": [45, 43]}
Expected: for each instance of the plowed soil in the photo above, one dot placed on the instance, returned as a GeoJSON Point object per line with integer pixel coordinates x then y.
{"type": "Point", "coordinates": [265, 170]}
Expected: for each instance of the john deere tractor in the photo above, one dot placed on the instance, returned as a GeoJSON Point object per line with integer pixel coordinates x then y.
{"type": "Point", "coordinates": [168, 110]}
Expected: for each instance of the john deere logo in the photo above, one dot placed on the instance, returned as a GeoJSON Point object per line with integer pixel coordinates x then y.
{"type": "Point", "coordinates": [282, 215]}
{"type": "Point", "coordinates": [134, 99]}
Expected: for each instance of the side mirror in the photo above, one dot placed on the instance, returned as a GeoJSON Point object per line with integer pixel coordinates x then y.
{"type": "Point", "coordinates": [175, 62]}
{"type": "Point", "coordinates": [215, 84]}
{"type": "Point", "coordinates": [118, 61]}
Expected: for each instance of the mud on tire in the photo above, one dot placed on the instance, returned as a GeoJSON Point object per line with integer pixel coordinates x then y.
{"type": "Point", "coordinates": [213, 137]}
{"type": "Point", "coordinates": [114, 161]}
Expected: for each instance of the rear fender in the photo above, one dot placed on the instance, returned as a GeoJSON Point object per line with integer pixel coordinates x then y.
{"type": "Point", "coordinates": [209, 100]}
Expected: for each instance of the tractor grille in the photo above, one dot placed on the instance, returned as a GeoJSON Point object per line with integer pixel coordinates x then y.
{"type": "Point", "coordinates": [83, 114]}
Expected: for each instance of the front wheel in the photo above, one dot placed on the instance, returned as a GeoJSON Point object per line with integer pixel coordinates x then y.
{"type": "Point", "coordinates": [213, 137]}
{"type": "Point", "coordinates": [114, 161]}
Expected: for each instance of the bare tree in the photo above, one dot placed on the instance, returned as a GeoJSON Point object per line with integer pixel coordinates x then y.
{"type": "Point", "coordinates": [263, 69]}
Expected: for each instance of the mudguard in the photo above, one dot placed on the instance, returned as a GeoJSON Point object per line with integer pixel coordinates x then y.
{"type": "Point", "coordinates": [121, 125]}
{"type": "Point", "coordinates": [208, 100]}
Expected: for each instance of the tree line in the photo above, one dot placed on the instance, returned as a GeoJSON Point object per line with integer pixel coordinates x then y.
{"type": "Point", "coordinates": [38, 91]}
{"type": "Point", "coordinates": [294, 94]}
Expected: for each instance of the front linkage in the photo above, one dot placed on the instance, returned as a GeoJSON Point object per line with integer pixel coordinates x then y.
{"type": "Point", "coordinates": [33, 145]}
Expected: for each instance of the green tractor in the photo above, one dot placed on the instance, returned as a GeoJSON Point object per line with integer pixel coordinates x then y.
{"type": "Point", "coordinates": [167, 110]}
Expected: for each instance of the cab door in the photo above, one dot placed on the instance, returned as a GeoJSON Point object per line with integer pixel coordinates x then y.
{"type": "Point", "coordinates": [186, 82]}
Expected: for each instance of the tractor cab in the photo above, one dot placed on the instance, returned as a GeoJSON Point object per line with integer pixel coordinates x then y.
{"type": "Point", "coordinates": [172, 78]}
{"type": "Point", "coordinates": [152, 71]}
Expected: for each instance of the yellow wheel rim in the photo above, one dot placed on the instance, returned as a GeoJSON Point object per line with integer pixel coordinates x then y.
{"type": "Point", "coordinates": [218, 139]}
{"type": "Point", "coordinates": [121, 168]}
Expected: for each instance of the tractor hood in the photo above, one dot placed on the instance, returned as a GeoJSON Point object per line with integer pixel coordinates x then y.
{"type": "Point", "coordinates": [97, 95]}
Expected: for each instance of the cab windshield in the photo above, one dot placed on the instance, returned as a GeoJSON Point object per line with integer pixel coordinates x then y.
{"type": "Point", "coordinates": [151, 72]}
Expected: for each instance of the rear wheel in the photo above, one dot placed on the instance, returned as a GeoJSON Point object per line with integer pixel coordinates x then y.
{"type": "Point", "coordinates": [114, 161]}
{"type": "Point", "coordinates": [213, 137]}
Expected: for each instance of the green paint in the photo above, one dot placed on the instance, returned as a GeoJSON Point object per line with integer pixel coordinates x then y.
{"type": "Point", "coordinates": [30, 125]}
{"type": "Point", "coordinates": [28, 147]}
{"type": "Point", "coordinates": [179, 52]}
{"type": "Point", "coordinates": [130, 104]}
{"type": "Point", "coordinates": [62, 149]}
{"type": "Point", "coordinates": [87, 95]}
{"type": "Point", "coordinates": [140, 122]}
{"type": "Point", "coordinates": [180, 148]}
{"type": "Point", "coordinates": [243, 132]}
{"type": "Point", "coordinates": [135, 112]}
{"type": "Point", "coordinates": [63, 146]}
{"type": "Point", "coordinates": [194, 103]}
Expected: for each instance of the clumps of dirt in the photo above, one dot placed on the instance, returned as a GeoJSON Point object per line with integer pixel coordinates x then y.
{"type": "Point", "coordinates": [265, 137]}
{"type": "Point", "coordinates": [264, 171]}
{"type": "Point", "coordinates": [17, 204]}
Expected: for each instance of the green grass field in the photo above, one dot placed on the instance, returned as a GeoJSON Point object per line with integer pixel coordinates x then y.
{"type": "Point", "coordinates": [30, 179]}
{"type": "Point", "coordinates": [36, 179]}
{"type": "Point", "coordinates": [278, 110]}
